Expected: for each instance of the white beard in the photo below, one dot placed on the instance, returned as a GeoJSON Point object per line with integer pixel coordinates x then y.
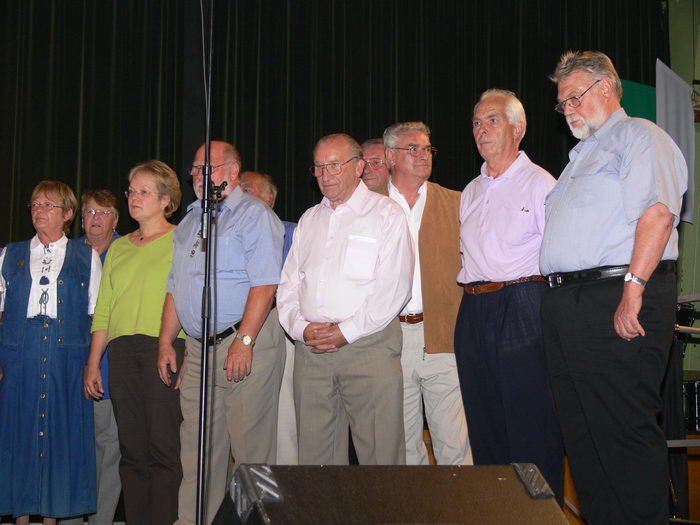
{"type": "Point", "coordinates": [589, 126]}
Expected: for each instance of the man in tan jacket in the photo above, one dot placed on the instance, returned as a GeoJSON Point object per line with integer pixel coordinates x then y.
{"type": "Point", "coordinates": [427, 322]}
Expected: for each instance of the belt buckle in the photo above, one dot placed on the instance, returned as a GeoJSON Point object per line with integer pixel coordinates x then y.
{"type": "Point", "coordinates": [555, 280]}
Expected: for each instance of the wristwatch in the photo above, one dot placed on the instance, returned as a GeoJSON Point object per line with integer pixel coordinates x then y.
{"type": "Point", "coordinates": [629, 276]}
{"type": "Point", "coordinates": [247, 340]}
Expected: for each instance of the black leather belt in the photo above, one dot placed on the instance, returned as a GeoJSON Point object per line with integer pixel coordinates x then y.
{"type": "Point", "coordinates": [216, 339]}
{"type": "Point", "coordinates": [557, 280]}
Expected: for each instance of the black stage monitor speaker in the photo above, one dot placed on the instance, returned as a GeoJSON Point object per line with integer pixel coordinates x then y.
{"type": "Point", "coordinates": [389, 495]}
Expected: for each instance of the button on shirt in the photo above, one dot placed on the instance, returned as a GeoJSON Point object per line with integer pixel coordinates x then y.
{"type": "Point", "coordinates": [414, 216]}
{"type": "Point", "coordinates": [612, 178]}
{"type": "Point", "coordinates": [502, 222]}
{"type": "Point", "coordinates": [248, 249]}
{"type": "Point", "coordinates": [46, 262]}
{"type": "Point", "coordinates": [352, 265]}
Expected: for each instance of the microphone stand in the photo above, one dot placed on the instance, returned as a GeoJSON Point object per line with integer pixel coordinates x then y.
{"type": "Point", "coordinates": [210, 196]}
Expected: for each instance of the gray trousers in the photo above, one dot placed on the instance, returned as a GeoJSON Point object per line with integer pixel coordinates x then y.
{"type": "Point", "coordinates": [361, 384]}
{"type": "Point", "coordinates": [242, 417]}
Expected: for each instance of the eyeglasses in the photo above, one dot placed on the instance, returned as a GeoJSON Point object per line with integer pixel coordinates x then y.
{"type": "Point", "coordinates": [375, 163]}
{"type": "Point", "coordinates": [331, 168]}
{"type": "Point", "coordinates": [48, 206]}
{"type": "Point", "coordinates": [415, 151]}
{"type": "Point", "coordinates": [196, 169]}
{"type": "Point", "coordinates": [140, 193]}
{"type": "Point", "coordinates": [574, 101]}
{"type": "Point", "coordinates": [101, 213]}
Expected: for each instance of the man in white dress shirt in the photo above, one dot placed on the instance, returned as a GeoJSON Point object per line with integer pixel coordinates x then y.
{"type": "Point", "coordinates": [347, 276]}
{"type": "Point", "coordinates": [427, 322]}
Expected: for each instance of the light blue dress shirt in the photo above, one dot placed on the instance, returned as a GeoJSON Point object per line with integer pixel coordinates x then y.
{"type": "Point", "coordinates": [612, 178]}
{"type": "Point", "coordinates": [247, 253]}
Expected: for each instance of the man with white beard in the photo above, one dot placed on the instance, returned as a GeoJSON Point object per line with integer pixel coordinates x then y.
{"type": "Point", "coordinates": [609, 252]}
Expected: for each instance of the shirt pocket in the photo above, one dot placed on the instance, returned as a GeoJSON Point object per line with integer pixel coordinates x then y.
{"type": "Point", "coordinates": [229, 257]}
{"type": "Point", "coordinates": [360, 257]}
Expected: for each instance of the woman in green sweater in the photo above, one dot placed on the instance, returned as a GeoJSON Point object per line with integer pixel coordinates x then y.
{"type": "Point", "coordinates": [128, 316]}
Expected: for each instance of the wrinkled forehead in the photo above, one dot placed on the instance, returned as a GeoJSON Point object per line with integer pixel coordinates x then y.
{"type": "Point", "coordinates": [412, 137]}
{"type": "Point", "coordinates": [574, 84]}
{"type": "Point", "coordinates": [491, 106]}
{"type": "Point", "coordinates": [42, 196]}
{"type": "Point", "coordinates": [373, 150]}
{"type": "Point", "coordinates": [92, 204]}
{"type": "Point", "coordinates": [332, 150]}
{"type": "Point", "coordinates": [216, 155]}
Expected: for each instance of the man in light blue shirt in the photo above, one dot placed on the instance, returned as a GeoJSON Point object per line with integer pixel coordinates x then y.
{"type": "Point", "coordinates": [609, 251]}
{"type": "Point", "coordinates": [246, 375]}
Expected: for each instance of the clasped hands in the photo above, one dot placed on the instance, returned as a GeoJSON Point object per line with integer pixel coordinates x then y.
{"type": "Point", "coordinates": [324, 337]}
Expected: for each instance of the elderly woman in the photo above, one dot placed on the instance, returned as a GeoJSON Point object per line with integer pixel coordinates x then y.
{"type": "Point", "coordinates": [128, 316]}
{"type": "Point", "coordinates": [49, 286]}
{"type": "Point", "coordinates": [100, 217]}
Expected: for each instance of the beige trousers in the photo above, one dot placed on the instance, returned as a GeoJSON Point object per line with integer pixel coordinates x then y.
{"type": "Point", "coordinates": [432, 380]}
{"type": "Point", "coordinates": [287, 443]}
{"type": "Point", "coordinates": [362, 385]}
{"type": "Point", "coordinates": [242, 417]}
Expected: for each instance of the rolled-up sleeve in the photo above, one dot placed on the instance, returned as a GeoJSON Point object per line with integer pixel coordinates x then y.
{"type": "Point", "coordinates": [652, 171]}
{"type": "Point", "coordinates": [263, 240]}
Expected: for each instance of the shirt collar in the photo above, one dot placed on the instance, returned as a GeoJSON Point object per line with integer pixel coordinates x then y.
{"type": "Point", "coordinates": [607, 126]}
{"type": "Point", "coordinates": [513, 170]}
{"type": "Point", "coordinates": [601, 134]}
{"type": "Point", "coordinates": [60, 243]}
{"type": "Point", "coordinates": [394, 193]}
{"type": "Point", "coordinates": [356, 200]}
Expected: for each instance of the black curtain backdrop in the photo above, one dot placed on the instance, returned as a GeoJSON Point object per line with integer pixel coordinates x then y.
{"type": "Point", "coordinates": [89, 88]}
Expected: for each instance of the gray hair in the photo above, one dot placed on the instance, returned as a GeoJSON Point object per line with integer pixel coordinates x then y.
{"type": "Point", "coordinates": [372, 142]}
{"type": "Point", "coordinates": [355, 149]}
{"type": "Point", "coordinates": [594, 62]}
{"type": "Point", "coordinates": [393, 132]}
{"type": "Point", "coordinates": [514, 108]}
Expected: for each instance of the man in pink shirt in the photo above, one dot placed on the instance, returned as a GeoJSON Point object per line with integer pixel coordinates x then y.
{"type": "Point", "coordinates": [498, 338]}
{"type": "Point", "coordinates": [347, 277]}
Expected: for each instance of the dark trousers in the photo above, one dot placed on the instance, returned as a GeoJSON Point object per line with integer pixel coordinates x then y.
{"type": "Point", "coordinates": [148, 421]}
{"type": "Point", "coordinates": [607, 394]}
{"type": "Point", "coordinates": [503, 377]}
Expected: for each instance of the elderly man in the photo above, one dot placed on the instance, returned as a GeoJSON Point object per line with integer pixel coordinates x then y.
{"type": "Point", "coordinates": [427, 322]}
{"type": "Point", "coordinates": [346, 278]}
{"type": "Point", "coordinates": [609, 251]}
{"type": "Point", "coordinates": [245, 374]}
{"type": "Point", "coordinates": [262, 186]}
{"type": "Point", "coordinates": [376, 173]}
{"type": "Point", "coordinates": [500, 352]}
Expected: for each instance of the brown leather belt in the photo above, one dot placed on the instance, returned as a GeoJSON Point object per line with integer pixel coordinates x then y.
{"type": "Point", "coordinates": [476, 289]}
{"type": "Point", "coordinates": [411, 318]}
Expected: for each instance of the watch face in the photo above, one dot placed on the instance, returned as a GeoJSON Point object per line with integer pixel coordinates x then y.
{"type": "Point", "coordinates": [628, 276]}
{"type": "Point", "coordinates": [246, 339]}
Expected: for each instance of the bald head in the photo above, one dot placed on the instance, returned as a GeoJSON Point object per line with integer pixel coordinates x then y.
{"type": "Point", "coordinates": [226, 164]}
{"type": "Point", "coordinates": [260, 186]}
